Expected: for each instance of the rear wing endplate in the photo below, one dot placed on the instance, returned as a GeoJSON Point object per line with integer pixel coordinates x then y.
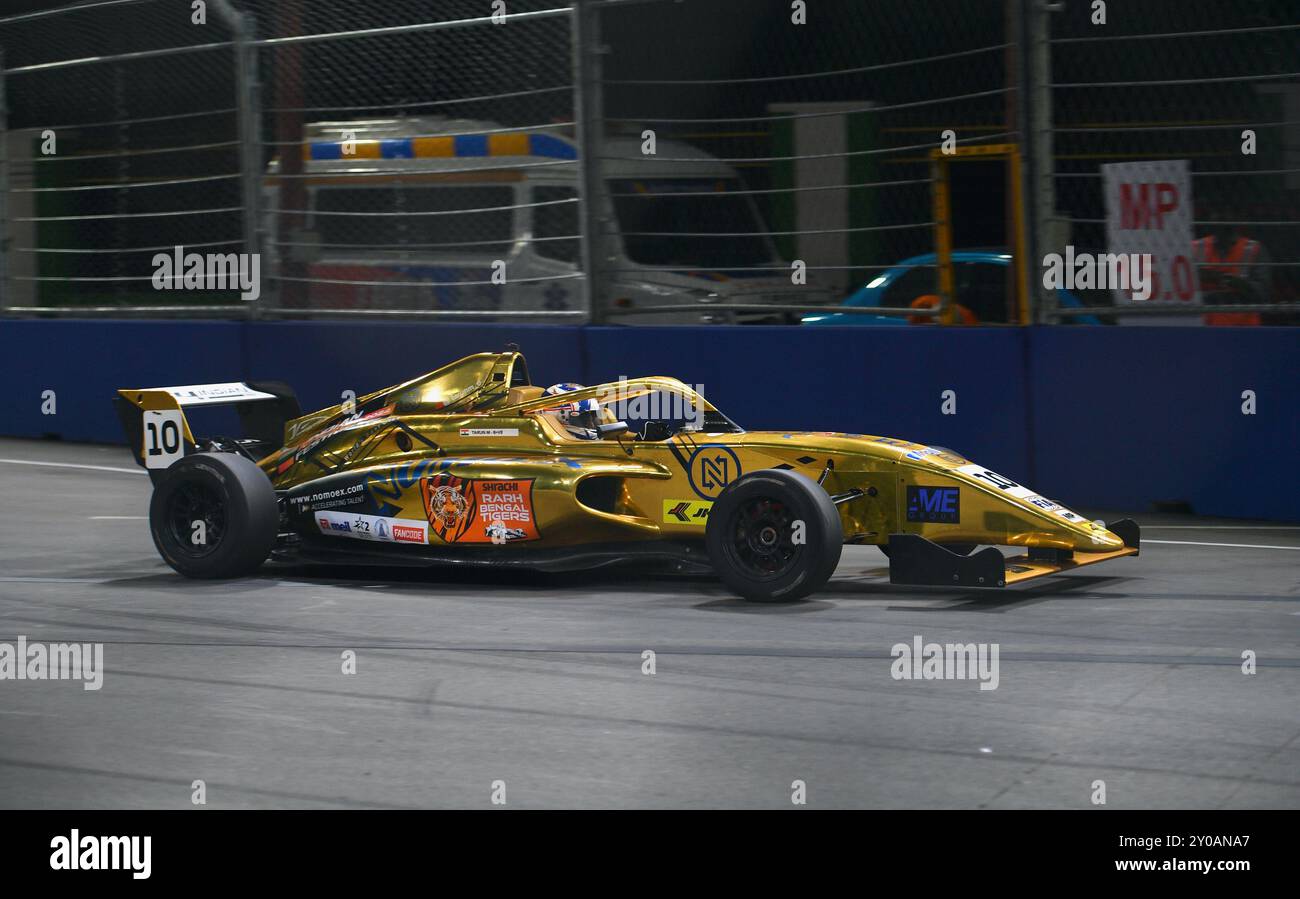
{"type": "Point", "coordinates": [159, 432]}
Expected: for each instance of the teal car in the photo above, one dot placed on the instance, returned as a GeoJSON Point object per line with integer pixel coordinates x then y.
{"type": "Point", "coordinates": [981, 277]}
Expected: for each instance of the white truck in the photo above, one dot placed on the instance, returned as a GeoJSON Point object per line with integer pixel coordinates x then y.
{"type": "Point", "coordinates": [452, 214]}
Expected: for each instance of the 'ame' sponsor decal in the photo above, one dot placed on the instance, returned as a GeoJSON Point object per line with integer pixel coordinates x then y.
{"type": "Point", "coordinates": [935, 505]}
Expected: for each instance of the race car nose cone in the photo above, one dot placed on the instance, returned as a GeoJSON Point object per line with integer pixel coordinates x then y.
{"type": "Point", "coordinates": [1102, 540]}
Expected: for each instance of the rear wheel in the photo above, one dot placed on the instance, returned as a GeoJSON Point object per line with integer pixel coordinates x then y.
{"type": "Point", "coordinates": [214, 515]}
{"type": "Point", "coordinates": [774, 536]}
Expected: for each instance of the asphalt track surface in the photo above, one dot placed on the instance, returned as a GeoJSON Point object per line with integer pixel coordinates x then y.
{"type": "Point", "coordinates": [1129, 672]}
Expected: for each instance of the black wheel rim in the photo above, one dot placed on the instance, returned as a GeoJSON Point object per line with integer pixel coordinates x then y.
{"type": "Point", "coordinates": [760, 539]}
{"type": "Point", "coordinates": [190, 503]}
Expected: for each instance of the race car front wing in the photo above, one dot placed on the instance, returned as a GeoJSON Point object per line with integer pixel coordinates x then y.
{"type": "Point", "coordinates": [916, 561]}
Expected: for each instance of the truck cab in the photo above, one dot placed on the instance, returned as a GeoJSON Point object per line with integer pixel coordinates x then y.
{"type": "Point", "coordinates": [467, 216]}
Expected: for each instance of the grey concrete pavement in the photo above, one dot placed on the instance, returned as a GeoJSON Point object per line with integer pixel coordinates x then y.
{"type": "Point", "coordinates": [1128, 672]}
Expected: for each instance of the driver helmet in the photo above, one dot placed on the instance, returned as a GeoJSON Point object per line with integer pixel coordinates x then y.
{"type": "Point", "coordinates": [580, 417]}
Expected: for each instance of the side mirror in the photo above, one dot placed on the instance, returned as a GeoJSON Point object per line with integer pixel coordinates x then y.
{"type": "Point", "coordinates": [408, 403]}
{"type": "Point", "coordinates": [612, 430]}
{"type": "Point", "coordinates": [656, 431]}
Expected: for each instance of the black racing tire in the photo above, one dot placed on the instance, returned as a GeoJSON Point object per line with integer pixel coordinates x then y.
{"type": "Point", "coordinates": [236, 502]}
{"type": "Point", "coordinates": [751, 529]}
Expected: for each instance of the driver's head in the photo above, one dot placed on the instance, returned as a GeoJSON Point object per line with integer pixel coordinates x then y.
{"type": "Point", "coordinates": [581, 416]}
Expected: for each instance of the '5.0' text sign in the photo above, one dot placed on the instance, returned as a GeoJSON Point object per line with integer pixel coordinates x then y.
{"type": "Point", "coordinates": [1149, 212]}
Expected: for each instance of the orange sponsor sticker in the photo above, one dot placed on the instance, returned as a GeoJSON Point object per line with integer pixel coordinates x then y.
{"type": "Point", "coordinates": [463, 510]}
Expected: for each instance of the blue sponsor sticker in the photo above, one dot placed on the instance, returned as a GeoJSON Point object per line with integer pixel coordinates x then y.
{"type": "Point", "coordinates": [934, 505]}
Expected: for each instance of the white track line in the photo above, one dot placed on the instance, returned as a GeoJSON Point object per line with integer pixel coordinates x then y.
{"type": "Point", "coordinates": [52, 580]}
{"type": "Point", "coordinates": [73, 465]}
{"type": "Point", "coordinates": [1217, 527]}
{"type": "Point", "coordinates": [119, 518]}
{"type": "Point", "coordinates": [1241, 545]}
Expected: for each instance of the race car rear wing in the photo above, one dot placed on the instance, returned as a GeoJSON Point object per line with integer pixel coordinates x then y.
{"type": "Point", "coordinates": [159, 432]}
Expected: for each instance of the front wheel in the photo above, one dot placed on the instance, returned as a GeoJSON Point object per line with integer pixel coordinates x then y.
{"type": "Point", "coordinates": [214, 515]}
{"type": "Point", "coordinates": [774, 536]}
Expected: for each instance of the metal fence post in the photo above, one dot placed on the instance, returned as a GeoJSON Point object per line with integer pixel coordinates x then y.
{"type": "Point", "coordinates": [249, 87]}
{"type": "Point", "coordinates": [1043, 228]}
{"type": "Point", "coordinates": [1019, 211]}
{"type": "Point", "coordinates": [589, 132]}
{"type": "Point", "coordinates": [4, 189]}
{"type": "Point", "coordinates": [248, 102]}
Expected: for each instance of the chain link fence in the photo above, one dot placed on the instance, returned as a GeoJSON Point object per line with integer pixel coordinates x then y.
{"type": "Point", "coordinates": [1215, 84]}
{"type": "Point", "coordinates": [728, 169]}
{"type": "Point", "coordinates": [421, 159]}
{"type": "Point", "coordinates": [640, 161]}
{"type": "Point", "coordinates": [121, 141]}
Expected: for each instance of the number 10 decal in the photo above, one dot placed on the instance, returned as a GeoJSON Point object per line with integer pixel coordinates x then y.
{"type": "Point", "coordinates": [163, 443]}
{"type": "Point", "coordinates": [992, 477]}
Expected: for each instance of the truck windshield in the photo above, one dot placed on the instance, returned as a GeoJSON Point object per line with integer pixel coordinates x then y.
{"type": "Point", "coordinates": [417, 218]}
{"type": "Point", "coordinates": [660, 219]}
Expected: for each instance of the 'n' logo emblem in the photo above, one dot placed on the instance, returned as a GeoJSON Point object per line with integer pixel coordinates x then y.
{"type": "Point", "coordinates": [713, 474]}
{"type": "Point", "coordinates": [712, 467]}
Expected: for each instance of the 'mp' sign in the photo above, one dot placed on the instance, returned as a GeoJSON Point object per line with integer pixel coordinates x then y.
{"type": "Point", "coordinates": [1149, 213]}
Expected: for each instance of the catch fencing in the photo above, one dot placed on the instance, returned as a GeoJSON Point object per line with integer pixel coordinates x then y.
{"type": "Point", "coordinates": [120, 137]}
{"type": "Point", "coordinates": [642, 161]}
{"type": "Point", "coordinates": [1215, 84]}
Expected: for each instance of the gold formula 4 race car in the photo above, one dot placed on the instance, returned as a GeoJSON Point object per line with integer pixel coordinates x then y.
{"type": "Point", "coordinates": [473, 465]}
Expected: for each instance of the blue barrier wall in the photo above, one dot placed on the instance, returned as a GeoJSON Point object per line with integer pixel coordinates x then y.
{"type": "Point", "coordinates": [85, 363]}
{"type": "Point", "coordinates": [1103, 417]}
{"type": "Point", "coordinates": [322, 359]}
{"type": "Point", "coordinates": [1124, 417]}
{"type": "Point", "coordinates": [884, 381]}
